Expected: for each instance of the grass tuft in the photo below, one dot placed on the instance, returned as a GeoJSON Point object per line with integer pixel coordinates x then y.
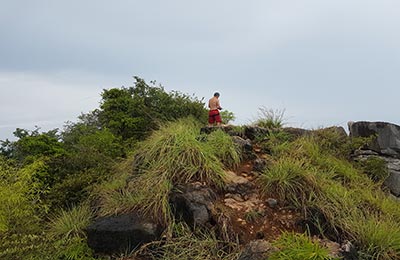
{"type": "Point", "coordinates": [71, 223]}
{"type": "Point", "coordinates": [299, 246]}
{"type": "Point", "coordinates": [186, 244]}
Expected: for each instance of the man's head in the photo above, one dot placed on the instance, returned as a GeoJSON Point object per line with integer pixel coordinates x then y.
{"type": "Point", "coordinates": [216, 94]}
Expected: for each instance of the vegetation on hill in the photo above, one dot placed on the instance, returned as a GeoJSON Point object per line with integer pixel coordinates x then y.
{"type": "Point", "coordinates": [131, 152]}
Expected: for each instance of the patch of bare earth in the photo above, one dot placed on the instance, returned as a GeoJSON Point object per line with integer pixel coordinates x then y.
{"type": "Point", "coordinates": [248, 213]}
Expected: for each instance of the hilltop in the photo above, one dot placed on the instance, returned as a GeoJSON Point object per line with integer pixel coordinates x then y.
{"type": "Point", "coordinates": [142, 178]}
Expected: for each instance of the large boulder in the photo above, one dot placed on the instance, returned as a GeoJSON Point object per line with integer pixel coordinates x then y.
{"type": "Point", "coordinates": [387, 139]}
{"type": "Point", "coordinates": [122, 233]}
{"type": "Point", "coordinates": [393, 181]}
{"type": "Point", "coordinates": [252, 132]}
{"type": "Point", "coordinates": [193, 203]}
{"type": "Point", "coordinates": [385, 145]}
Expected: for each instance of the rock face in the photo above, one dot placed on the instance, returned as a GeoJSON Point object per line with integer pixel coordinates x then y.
{"type": "Point", "coordinates": [193, 203]}
{"type": "Point", "coordinates": [252, 132]}
{"type": "Point", "coordinates": [387, 140]}
{"type": "Point", "coordinates": [386, 145]}
{"type": "Point", "coordinates": [119, 234]}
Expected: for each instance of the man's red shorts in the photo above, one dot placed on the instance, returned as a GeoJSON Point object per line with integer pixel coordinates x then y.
{"type": "Point", "coordinates": [214, 116]}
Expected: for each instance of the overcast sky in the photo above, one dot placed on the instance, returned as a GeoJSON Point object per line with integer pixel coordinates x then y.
{"type": "Point", "coordinates": [326, 62]}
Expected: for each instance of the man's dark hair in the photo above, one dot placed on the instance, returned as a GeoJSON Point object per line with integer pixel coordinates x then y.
{"type": "Point", "coordinates": [216, 94]}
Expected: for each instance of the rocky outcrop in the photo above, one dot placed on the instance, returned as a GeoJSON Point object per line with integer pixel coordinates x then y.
{"type": "Point", "coordinates": [387, 141]}
{"type": "Point", "coordinates": [385, 144]}
{"type": "Point", "coordinates": [252, 132]}
{"type": "Point", "coordinates": [193, 203]}
{"type": "Point", "coordinates": [123, 233]}
{"type": "Point", "coordinates": [245, 146]}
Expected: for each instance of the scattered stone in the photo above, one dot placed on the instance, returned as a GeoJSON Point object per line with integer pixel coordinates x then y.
{"type": "Point", "coordinates": [122, 233]}
{"type": "Point", "coordinates": [259, 165]}
{"type": "Point", "coordinates": [272, 203]}
{"type": "Point", "coordinates": [257, 250]}
{"type": "Point", "coordinates": [237, 184]}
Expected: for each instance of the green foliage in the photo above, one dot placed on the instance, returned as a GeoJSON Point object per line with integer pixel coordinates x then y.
{"type": "Point", "coordinates": [289, 180]}
{"type": "Point", "coordinates": [186, 244]}
{"type": "Point", "coordinates": [20, 196]}
{"type": "Point", "coordinates": [71, 223]}
{"type": "Point", "coordinates": [224, 148]}
{"type": "Point", "coordinates": [347, 201]}
{"type": "Point", "coordinates": [32, 145]}
{"type": "Point", "coordinates": [172, 155]}
{"type": "Point", "coordinates": [299, 246]}
{"type": "Point", "coordinates": [227, 116]}
{"type": "Point", "coordinates": [375, 168]}
{"type": "Point", "coordinates": [177, 149]}
{"type": "Point", "coordinates": [133, 112]}
{"type": "Point", "coordinates": [67, 229]}
{"type": "Point", "coordinates": [269, 118]}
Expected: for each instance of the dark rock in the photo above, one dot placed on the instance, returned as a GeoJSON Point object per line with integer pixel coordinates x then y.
{"type": "Point", "coordinates": [209, 129]}
{"type": "Point", "coordinates": [123, 233]}
{"type": "Point", "coordinates": [259, 165]}
{"type": "Point", "coordinates": [238, 184]}
{"type": "Point", "coordinates": [193, 203]}
{"type": "Point", "coordinates": [245, 146]}
{"type": "Point", "coordinates": [387, 139]}
{"type": "Point", "coordinates": [386, 145]}
{"type": "Point", "coordinates": [393, 182]}
{"type": "Point", "coordinates": [257, 250]}
{"type": "Point", "coordinates": [348, 251]}
{"type": "Point", "coordinates": [252, 132]}
{"type": "Point", "coordinates": [296, 132]}
{"type": "Point", "coordinates": [272, 203]}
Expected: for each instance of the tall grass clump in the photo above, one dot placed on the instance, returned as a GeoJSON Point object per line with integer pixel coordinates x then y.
{"type": "Point", "coordinates": [224, 148]}
{"type": "Point", "coordinates": [175, 154]}
{"type": "Point", "coordinates": [293, 246]}
{"type": "Point", "coordinates": [182, 156]}
{"type": "Point", "coordinates": [350, 204]}
{"type": "Point", "coordinates": [270, 118]}
{"type": "Point", "coordinates": [187, 244]}
{"type": "Point", "coordinates": [67, 231]}
{"type": "Point", "coordinates": [289, 180]}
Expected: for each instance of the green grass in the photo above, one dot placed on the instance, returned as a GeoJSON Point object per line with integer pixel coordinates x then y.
{"type": "Point", "coordinates": [289, 180]}
{"type": "Point", "coordinates": [293, 246]}
{"type": "Point", "coordinates": [352, 205]}
{"type": "Point", "coordinates": [186, 244]}
{"type": "Point", "coordinates": [175, 154]}
{"type": "Point", "coordinates": [71, 223]}
{"type": "Point", "coordinates": [270, 118]}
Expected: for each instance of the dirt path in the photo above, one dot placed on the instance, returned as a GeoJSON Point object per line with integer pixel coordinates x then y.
{"type": "Point", "coordinates": [249, 213]}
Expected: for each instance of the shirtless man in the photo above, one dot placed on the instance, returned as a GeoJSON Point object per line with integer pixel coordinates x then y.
{"type": "Point", "coordinates": [213, 114]}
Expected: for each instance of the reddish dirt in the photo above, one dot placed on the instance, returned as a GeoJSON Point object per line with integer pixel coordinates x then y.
{"type": "Point", "coordinates": [250, 215]}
